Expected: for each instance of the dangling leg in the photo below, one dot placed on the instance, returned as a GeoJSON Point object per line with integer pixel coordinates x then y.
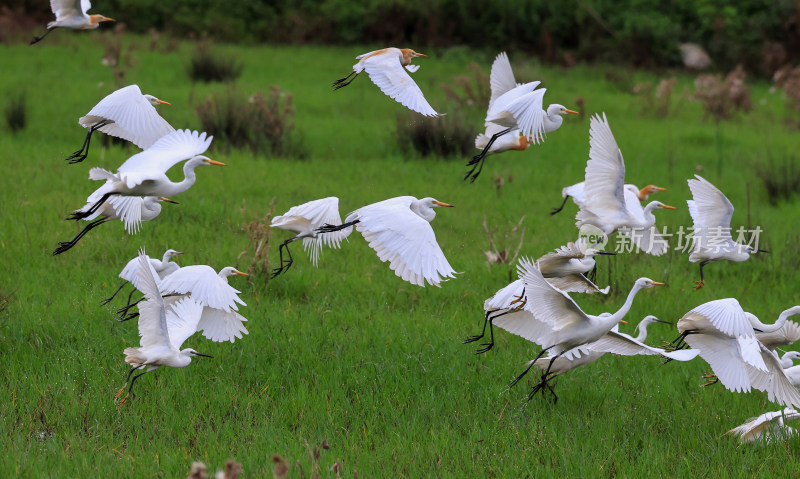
{"type": "Point", "coordinates": [343, 82]}
{"type": "Point", "coordinates": [81, 214]}
{"type": "Point", "coordinates": [81, 154]}
{"type": "Point", "coordinates": [123, 311]}
{"type": "Point", "coordinates": [127, 378]}
{"type": "Point", "coordinates": [472, 339]}
{"type": "Point", "coordinates": [556, 210]}
{"type": "Point", "coordinates": [478, 159]}
{"type": "Point", "coordinates": [328, 228]}
{"type": "Point", "coordinates": [108, 300]}
{"type": "Point", "coordinates": [543, 383]}
{"type": "Point", "coordinates": [38, 39]}
{"type": "Point", "coordinates": [593, 273]}
{"type": "Point", "coordinates": [541, 353]}
{"type": "Point", "coordinates": [701, 283]}
{"type": "Point", "coordinates": [284, 267]}
{"type": "Point", "coordinates": [66, 245]}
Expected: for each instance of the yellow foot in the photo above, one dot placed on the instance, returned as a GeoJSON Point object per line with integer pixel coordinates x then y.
{"type": "Point", "coordinates": [124, 400]}
{"type": "Point", "coordinates": [699, 284]}
{"type": "Point", "coordinates": [522, 302]}
{"type": "Point", "coordinates": [712, 379]}
{"type": "Point", "coordinates": [119, 393]}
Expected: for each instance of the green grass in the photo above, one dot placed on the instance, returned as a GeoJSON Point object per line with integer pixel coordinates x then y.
{"type": "Point", "coordinates": [348, 352]}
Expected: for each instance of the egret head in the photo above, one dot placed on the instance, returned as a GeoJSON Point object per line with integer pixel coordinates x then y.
{"type": "Point", "coordinates": [648, 283]}
{"type": "Point", "coordinates": [556, 109]}
{"type": "Point", "coordinates": [192, 352]}
{"type": "Point", "coordinates": [171, 253]}
{"type": "Point", "coordinates": [204, 160]}
{"type": "Point", "coordinates": [649, 190]}
{"type": "Point", "coordinates": [791, 355]}
{"type": "Point", "coordinates": [155, 101]}
{"type": "Point", "coordinates": [230, 271]}
{"type": "Point", "coordinates": [650, 319]}
{"type": "Point", "coordinates": [409, 53]}
{"type": "Point", "coordinates": [96, 19]}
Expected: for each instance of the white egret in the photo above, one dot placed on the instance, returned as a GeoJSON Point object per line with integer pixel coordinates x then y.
{"type": "Point", "coordinates": [786, 335]}
{"type": "Point", "coordinates": [578, 194]}
{"type": "Point", "coordinates": [219, 318]}
{"type": "Point", "coordinates": [723, 334]}
{"type": "Point", "coordinates": [303, 220]}
{"type": "Point", "coordinates": [162, 331]}
{"type": "Point", "coordinates": [557, 323]}
{"type": "Point", "coordinates": [711, 213]}
{"type": "Point", "coordinates": [144, 174]}
{"type": "Point", "coordinates": [399, 230]}
{"type": "Point", "coordinates": [767, 427]}
{"type": "Point", "coordinates": [127, 114]}
{"type": "Point", "coordinates": [608, 205]}
{"type": "Point", "coordinates": [385, 69]}
{"type": "Point", "coordinates": [130, 274]}
{"type": "Point", "coordinates": [787, 362]}
{"type": "Point", "coordinates": [72, 14]}
{"type": "Point", "coordinates": [519, 107]}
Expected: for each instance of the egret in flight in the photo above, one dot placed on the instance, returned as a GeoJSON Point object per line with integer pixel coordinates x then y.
{"type": "Point", "coordinates": [767, 427]}
{"type": "Point", "coordinates": [385, 69]}
{"type": "Point", "coordinates": [130, 274]}
{"type": "Point", "coordinates": [72, 14]}
{"type": "Point", "coordinates": [578, 194]}
{"type": "Point", "coordinates": [127, 114]}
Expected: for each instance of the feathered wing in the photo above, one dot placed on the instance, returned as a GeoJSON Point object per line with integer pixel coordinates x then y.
{"type": "Point", "coordinates": [68, 8]}
{"type": "Point", "coordinates": [788, 334]}
{"type": "Point", "coordinates": [605, 172]}
{"type": "Point", "coordinates": [577, 283]}
{"type": "Point", "coordinates": [204, 285]}
{"type": "Point", "coordinates": [545, 302]}
{"type": "Point", "coordinates": [501, 78]}
{"type": "Point", "coordinates": [752, 430]}
{"type": "Point", "coordinates": [726, 315]}
{"type": "Point", "coordinates": [129, 210]}
{"type": "Point", "coordinates": [169, 150]}
{"type": "Point", "coordinates": [722, 355]}
{"type": "Point", "coordinates": [649, 240]}
{"type": "Point", "coordinates": [183, 315]}
{"type": "Point", "coordinates": [405, 240]}
{"type": "Point", "coordinates": [152, 313]}
{"type": "Point", "coordinates": [218, 325]}
{"type": "Point", "coordinates": [133, 117]}
{"type": "Point", "coordinates": [624, 345]}
{"type": "Point", "coordinates": [131, 273]}
{"type": "Point", "coordinates": [559, 257]}
{"type": "Point", "coordinates": [773, 381]}
{"type": "Point", "coordinates": [386, 71]}
{"type": "Point", "coordinates": [712, 209]}
{"type": "Point", "coordinates": [528, 112]}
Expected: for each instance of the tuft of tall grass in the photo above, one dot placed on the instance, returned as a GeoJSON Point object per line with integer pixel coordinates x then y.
{"type": "Point", "coordinates": [209, 66]}
{"type": "Point", "coordinates": [259, 233]}
{"type": "Point", "coordinates": [445, 136]}
{"type": "Point", "coordinates": [16, 113]}
{"type": "Point", "coordinates": [781, 178]}
{"type": "Point", "coordinates": [470, 89]}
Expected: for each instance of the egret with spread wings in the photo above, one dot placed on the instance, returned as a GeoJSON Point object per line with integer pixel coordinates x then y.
{"type": "Point", "coordinates": [72, 14]}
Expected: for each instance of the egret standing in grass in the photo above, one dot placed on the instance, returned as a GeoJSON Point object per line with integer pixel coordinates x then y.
{"type": "Point", "coordinates": [711, 213]}
{"type": "Point", "coordinates": [399, 230]}
{"type": "Point", "coordinates": [303, 220]}
{"type": "Point", "coordinates": [127, 114]}
{"type": "Point", "coordinates": [385, 69]}
{"type": "Point", "coordinates": [72, 14]}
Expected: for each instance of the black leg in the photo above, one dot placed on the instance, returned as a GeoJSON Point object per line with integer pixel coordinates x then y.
{"type": "Point", "coordinates": [556, 210]}
{"type": "Point", "coordinates": [130, 389]}
{"type": "Point", "coordinates": [38, 39]}
{"type": "Point", "coordinates": [477, 160]}
{"type": "Point", "coordinates": [288, 263]}
{"type": "Point", "coordinates": [543, 383]}
{"type": "Point", "coordinates": [129, 303]}
{"type": "Point", "coordinates": [541, 353]}
{"type": "Point", "coordinates": [124, 310]}
{"type": "Point", "coordinates": [343, 82]}
{"type": "Point", "coordinates": [701, 283]}
{"type": "Point", "coordinates": [66, 245]}
{"type": "Point", "coordinates": [593, 273]}
{"type": "Point", "coordinates": [327, 228]}
{"type": "Point", "coordinates": [122, 319]}
{"type": "Point", "coordinates": [80, 214]}
{"type": "Point", "coordinates": [472, 339]}
{"type": "Point", "coordinates": [108, 300]}
{"type": "Point", "coordinates": [81, 154]}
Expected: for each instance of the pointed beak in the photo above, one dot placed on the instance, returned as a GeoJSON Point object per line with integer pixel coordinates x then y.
{"type": "Point", "coordinates": [204, 355]}
{"type": "Point", "coordinates": [167, 200]}
{"type": "Point", "coordinates": [241, 274]}
{"type": "Point", "coordinates": [668, 207]}
{"type": "Point", "coordinates": [439, 203]}
{"type": "Point", "coordinates": [658, 188]}
{"type": "Point", "coordinates": [109, 19]}
{"type": "Point", "coordinates": [623, 321]}
{"type": "Point", "coordinates": [609, 253]}
{"type": "Point", "coordinates": [162, 102]}
{"type": "Point", "coordinates": [419, 55]}
{"type": "Point", "coordinates": [217, 163]}
{"type": "Point", "coordinates": [761, 251]}
{"type": "Point", "coordinates": [656, 283]}
{"type": "Point", "coordinates": [572, 112]}
{"type": "Point", "coordinates": [662, 321]}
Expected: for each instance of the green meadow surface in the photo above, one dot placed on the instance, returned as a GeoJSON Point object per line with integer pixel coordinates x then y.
{"type": "Point", "coordinates": [348, 352]}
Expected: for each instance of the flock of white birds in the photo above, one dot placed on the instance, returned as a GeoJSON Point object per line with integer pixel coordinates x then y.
{"type": "Point", "coordinates": [180, 301]}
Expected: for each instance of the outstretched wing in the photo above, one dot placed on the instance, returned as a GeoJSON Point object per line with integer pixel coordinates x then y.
{"type": "Point", "coordinates": [545, 302]}
{"type": "Point", "coordinates": [152, 313]}
{"type": "Point", "coordinates": [773, 381]}
{"type": "Point", "coordinates": [624, 345]}
{"type": "Point", "coordinates": [576, 283]}
{"type": "Point", "coordinates": [788, 334]}
{"type": "Point", "coordinates": [204, 285]}
{"type": "Point", "coordinates": [711, 211]}
{"type": "Point", "coordinates": [726, 315]}
{"type": "Point", "coordinates": [183, 314]}
{"type": "Point", "coordinates": [605, 171]}
{"type": "Point", "coordinates": [386, 71]}
{"type": "Point", "coordinates": [501, 78]}
{"type": "Point", "coordinates": [69, 8]}
{"type": "Point", "coordinates": [169, 150]}
{"type": "Point", "coordinates": [218, 325]}
{"type": "Point", "coordinates": [133, 117]}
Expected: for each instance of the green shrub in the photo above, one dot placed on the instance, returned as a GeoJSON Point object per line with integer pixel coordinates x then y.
{"type": "Point", "coordinates": [16, 112]}
{"type": "Point", "coordinates": [448, 135]}
{"type": "Point", "coordinates": [208, 66]}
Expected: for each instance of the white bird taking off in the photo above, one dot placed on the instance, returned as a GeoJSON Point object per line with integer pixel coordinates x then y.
{"type": "Point", "coordinates": [515, 108]}
{"type": "Point", "coordinates": [130, 274]}
{"type": "Point", "coordinates": [72, 14]}
{"type": "Point", "coordinates": [303, 220]}
{"type": "Point", "coordinates": [608, 205]}
{"type": "Point", "coordinates": [127, 114]}
{"type": "Point", "coordinates": [711, 213]}
{"type": "Point", "coordinates": [131, 210]}
{"type": "Point", "coordinates": [385, 69]}
{"type": "Point", "coordinates": [162, 331]}
{"type": "Point", "coordinates": [144, 174]}
{"type": "Point", "coordinates": [399, 230]}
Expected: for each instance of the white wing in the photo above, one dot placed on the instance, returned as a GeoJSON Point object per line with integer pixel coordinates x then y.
{"type": "Point", "coordinates": [711, 209]}
{"type": "Point", "coordinates": [405, 240]}
{"type": "Point", "coordinates": [69, 8]}
{"type": "Point", "coordinates": [131, 273]}
{"type": "Point", "coordinates": [501, 78]}
{"type": "Point", "coordinates": [773, 381]}
{"type": "Point", "coordinates": [386, 71]}
{"type": "Point", "coordinates": [788, 334]}
{"type": "Point", "coordinates": [152, 314]}
{"type": "Point", "coordinates": [134, 118]}
{"type": "Point", "coordinates": [520, 108]}
{"type": "Point", "coordinates": [649, 240]}
{"type": "Point", "coordinates": [577, 192]}
{"type": "Point", "coordinates": [310, 216]}
{"type": "Point", "coordinates": [723, 357]}
{"type": "Point", "coordinates": [577, 283]}
{"type": "Point", "coordinates": [605, 171]}
{"type": "Point", "coordinates": [753, 428]}
{"type": "Point", "coordinates": [204, 285]}
{"type": "Point", "coordinates": [183, 314]}
{"type": "Point", "coordinates": [218, 325]}
{"type": "Point", "coordinates": [169, 150]}
{"type": "Point", "coordinates": [726, 315]}
{"type": "Point", "coordinates": [129, 210]}
{"type": "Point", "coordinates": [624, 345]}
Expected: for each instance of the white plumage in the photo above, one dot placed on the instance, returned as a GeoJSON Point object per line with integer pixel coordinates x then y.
{"type": "Point", "coordinates": [72, 14]}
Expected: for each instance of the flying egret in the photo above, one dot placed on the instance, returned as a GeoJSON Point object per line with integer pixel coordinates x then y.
{"type": "Point", "coordinates": [385, 69]}
{"type": "Point", "coordinates": [127, 114]}
{"type": "Point", "coordinates": [711, 213]}
{"type": "Point", "coordinates": [144, 174]}
{"type": "Point", "coordinates": [399, 230]}
{"type": "Point", "coordinates": [786, 335]}
{"type": "Point", "coordinates": [578, 194]}
{"type": "Point", "coordinates": [787, 362]}
{"type": "Point", "coordinates": [723, 334]}
{"type": "Point", "coordinates": [608, 205]}
{"type": "Point", "coordinates": [559, 325]}
{"type": "Point", "coordinates": [303, 220]}
{"type": "Point", "coordinates": [131, 210]}
{"type": "Point", "coordinates": [130, 274]}
{"type": "Point", "coordinates": [163, 331]}
{"type": "Point", "coordinates": [516, 107]}
{"type": "Point", "coordinates": [219, 320]}
{"type": "Point", "coordinates": [767, 427]}
{"type": "Point", "coordinates": [72, 14]}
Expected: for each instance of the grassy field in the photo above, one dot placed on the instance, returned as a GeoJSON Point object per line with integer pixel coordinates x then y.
{"type": "Point", "coordinates": [348, 352]}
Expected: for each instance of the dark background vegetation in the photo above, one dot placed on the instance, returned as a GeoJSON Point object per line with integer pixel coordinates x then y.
{"type": "Point", "coordinates": [761, 34]}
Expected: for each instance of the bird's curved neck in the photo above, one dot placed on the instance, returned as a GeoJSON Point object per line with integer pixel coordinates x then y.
{"type": "Point", "coordinates": [423, 212]}
{"type": "Point", "coordinates": [552, 122]}
{"type": "Point", "coordinates": [189, 178]}
{"type": "Point", "coordinates": [642, 332]}
{"type": "Point", "coordinates": [771, 328]}
{"type": "Point", "coordinates": [628, 303]}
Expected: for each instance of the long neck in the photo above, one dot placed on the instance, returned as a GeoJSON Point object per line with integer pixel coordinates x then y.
{"type": "Point", "coordinates": [628, 303]}
{"type": "Point", "coordinates": [552, 122]}
{"type": "Point", "coordinates": [642, 331]}
{"type": "Point", "coordinates": [189, 177]}
{"type": "Point", "coordinates": [649, 217]}
{"type": "Point", "coordinates": [643, 194]}
{"type": "Point", "coordinates": [780, 322]}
